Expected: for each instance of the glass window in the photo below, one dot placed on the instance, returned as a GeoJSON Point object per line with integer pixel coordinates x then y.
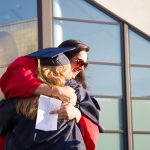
{"type": "Point", "coordinates": [18, 30]}
{"type": "Point", "coordinates": [111, 114]}
{"type": "Point", "coordinates": [139, 49]}
{"type": "Point", "coordinates": [140, 81]}
{"type": "Point", "coordinates": [104, 40]}
{"type": "Point", "coordinates": [110, 142]}
{"type": "Point", "coordinates": [104, 80]}
{"type": "Point", "coordinates": [141, 142]}
{"type": "Point", "coordinates": [78, 9]}
{"type": "Point", "coordinates": [16, 10]}
{"type": "Point", "coordinates": [141, 113]}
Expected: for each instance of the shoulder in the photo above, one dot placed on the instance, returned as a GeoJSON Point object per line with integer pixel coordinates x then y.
{"type": "Point", "coordinates": [95, 103]}
{"type": "Point", "coordinates": [24, 61]}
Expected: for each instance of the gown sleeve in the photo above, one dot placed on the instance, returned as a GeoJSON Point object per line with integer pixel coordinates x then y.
{"type": "Point", "coordinates": [20, 78]}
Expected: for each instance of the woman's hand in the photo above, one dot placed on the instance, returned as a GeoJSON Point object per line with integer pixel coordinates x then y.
{"type": "Point", "coordinates": [65, 94]}
{"type": "Point", "coordinates": [68, 112]}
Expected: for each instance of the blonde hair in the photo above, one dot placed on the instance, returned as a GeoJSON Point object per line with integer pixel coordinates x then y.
{"type": "Point", "coordinates": [28, 107]}
{"type": "Point", "coordinates": [55, 76]}
{"type": "Point", "coordinates": [51, 75]}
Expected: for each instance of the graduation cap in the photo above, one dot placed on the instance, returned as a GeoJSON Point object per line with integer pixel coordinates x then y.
{"type": "Point", "coordinates": [50, 52]}
{"type": "Point", "coordinates": [58, 60]}
{"type": "Point", "coordinates": [52, 56]}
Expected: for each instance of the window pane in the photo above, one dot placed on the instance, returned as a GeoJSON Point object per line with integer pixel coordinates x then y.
{"type": "Point", "coordinates": [18, 30]}
{"type": "Point", "coordinates": [103, 39]}
{"type": "Point", "coordinates": [139, 49]}
{"type": "Point", "coordinates": [141, 113]}
{"type": "Point", "coordinates": [110, 142]}
{"type": "Point", "coordinates": [16, 10]}
{"type": "Point", "coordinates": [140, 81]}
{"type": "Point", "coordinates": [78, 9]}
{"type": "Point", "coordinates": [104, 80]}
{"type": "Point", "coordinates": [111, 114]}
{"type": "Point", "coordinates": [141, 142]}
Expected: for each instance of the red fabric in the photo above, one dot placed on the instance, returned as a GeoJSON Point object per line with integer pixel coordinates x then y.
{"type": "Point", "coordinates": [2, 140]}
{"type": "Point", "coordinates": [20, 78]}
{"type": "Point", "coordinates": [89, 132]}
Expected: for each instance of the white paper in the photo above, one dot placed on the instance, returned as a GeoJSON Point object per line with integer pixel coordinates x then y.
{"type": "Point", "coordinates": [46, 121]}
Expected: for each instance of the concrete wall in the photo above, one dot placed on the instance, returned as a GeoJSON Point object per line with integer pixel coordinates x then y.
{"type": "Point", "coordinates": [135, 12]}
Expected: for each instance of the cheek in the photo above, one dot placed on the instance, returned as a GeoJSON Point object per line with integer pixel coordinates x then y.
{"type": "Point", "coordinates": [75, 73]}
{"type": "Point", "coordinates": [73, 66]}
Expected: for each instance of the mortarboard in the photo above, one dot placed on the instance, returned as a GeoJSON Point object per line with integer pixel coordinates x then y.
{"type": "Point", "coordinates": [50, 52]}
{"type": "Point", "coordinates": [58, 60]}
{"type": "Point", "coordinates": [52, 56]}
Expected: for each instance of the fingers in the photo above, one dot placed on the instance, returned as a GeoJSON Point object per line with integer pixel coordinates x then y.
{"type": "Point", "coordinates": [72, 98]}
{"type": "Point", "coordinates": [54, 112]}
{"type": "Point", "coordinates": [62, 117]}
{"type": "Point", "coordinates": [66, 112]}
{"type": "Point", "coordinates": [66, 94]}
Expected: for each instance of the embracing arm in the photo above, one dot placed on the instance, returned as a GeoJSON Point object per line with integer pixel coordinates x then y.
{"type": "Point", "coordinates": [20, 80]}
{"type": "Point", "coordinates": [66, 93]}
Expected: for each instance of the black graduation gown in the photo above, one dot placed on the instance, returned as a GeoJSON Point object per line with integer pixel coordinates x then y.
{"type": "Point", "coordinates": [24, 136]}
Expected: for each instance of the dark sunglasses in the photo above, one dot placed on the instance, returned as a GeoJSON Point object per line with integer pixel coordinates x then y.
{"type": "Point", "coordinates": [80, 63]}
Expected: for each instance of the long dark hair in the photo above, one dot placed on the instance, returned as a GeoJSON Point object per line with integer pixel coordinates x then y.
{"type": "Point", "coordinates": [80, 46]}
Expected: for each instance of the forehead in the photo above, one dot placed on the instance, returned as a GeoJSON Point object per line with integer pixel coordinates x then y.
{"type": "Point", "coordinates": [81, 55]}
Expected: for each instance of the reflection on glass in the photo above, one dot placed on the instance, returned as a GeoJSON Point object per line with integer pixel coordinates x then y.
{"type": "Point", "coordinates": [16, 10]}
{"type": "Point", "coordinates": [78, 9]}
{"type": "Point", "coordinates": [140, 81]}
{"type": "Point", "coordinates": [20, 20]}
{"type": "Point", "coordinates": [110, 142]}
{"type": "Point", "coordinates": [141, 142]}
{"type": "Point", "coordinates": [104, 80]}
{"type": "Point", "coordinates": [139, 49]}
{"type": "Point", "coordinates": [18, 30]}
{"type": "Point", "coordinates": [8, 49]}
{"type": "Point", "coordinates": [111, 114]}
{"type": "Point", "coordinates": [141, 113]}
{"type": "Point", "coordinates": [104, 40]}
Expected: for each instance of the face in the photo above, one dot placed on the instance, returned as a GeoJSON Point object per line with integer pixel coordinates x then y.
{"type": "Point", "coordinates": [78, 63]}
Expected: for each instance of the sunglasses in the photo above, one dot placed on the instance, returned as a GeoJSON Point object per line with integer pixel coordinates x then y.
{"type": "Point", "coordinates": [80, 63]}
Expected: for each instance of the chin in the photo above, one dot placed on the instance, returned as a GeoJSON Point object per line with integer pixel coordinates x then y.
{"type": "Point", "coordinates": [74, 75]}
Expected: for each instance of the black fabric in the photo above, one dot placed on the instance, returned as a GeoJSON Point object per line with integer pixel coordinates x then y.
{"type": "Point", "coordinates": [24, 136]}
{"type": "Point", "coordinates": [58, 60]}
{"type": "Point", "coordinates": [86, 104]}
{"type": "Point", "coordinates": [8, 115]}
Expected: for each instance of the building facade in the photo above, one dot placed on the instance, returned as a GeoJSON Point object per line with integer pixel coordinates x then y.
{"type": "Point", "coordinates": [119, 72]}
